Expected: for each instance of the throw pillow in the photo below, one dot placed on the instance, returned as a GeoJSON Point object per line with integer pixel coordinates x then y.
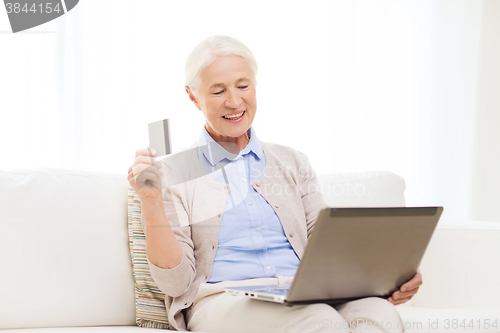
{"type": "Point", "coordinates": [149, 300]}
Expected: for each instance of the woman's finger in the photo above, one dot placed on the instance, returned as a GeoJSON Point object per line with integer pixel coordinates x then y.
{"type": "Point", "coordinates": [148, 180]}
{"type": "Point", "coordinates": [140, 168]}
{"type": "Point", "coordinates": [398, 294]}
{"type": "Point", "coordinates": [399, 301]}
{"type": "Point", "coordinates": [413, 284]}
{"type": "Point", "coordinates": [146, 159]}
{"type": "Point", "coordinates": [146, 152]}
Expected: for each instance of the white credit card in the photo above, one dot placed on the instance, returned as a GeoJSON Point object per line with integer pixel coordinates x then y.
{"type": "Point", "coordinates": [159, 137]}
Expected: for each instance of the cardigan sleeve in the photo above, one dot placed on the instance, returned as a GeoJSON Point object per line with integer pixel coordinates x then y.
{"type": "Point", "coordinates": [177, 280]}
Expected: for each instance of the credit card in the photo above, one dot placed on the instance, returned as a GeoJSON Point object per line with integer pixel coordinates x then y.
{"type": "Point", "coordinates": [159, 137]}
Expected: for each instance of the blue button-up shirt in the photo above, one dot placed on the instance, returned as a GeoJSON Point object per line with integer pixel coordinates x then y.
{"type": "Point", "coordinates": [252, 242]}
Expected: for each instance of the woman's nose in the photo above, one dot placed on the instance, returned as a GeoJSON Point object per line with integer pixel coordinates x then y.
{"type": "Point", "coordinates": [233, 99]}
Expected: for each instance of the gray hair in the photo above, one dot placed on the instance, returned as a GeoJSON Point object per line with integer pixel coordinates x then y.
{"type": "Point", "coordinates": [207, 51]}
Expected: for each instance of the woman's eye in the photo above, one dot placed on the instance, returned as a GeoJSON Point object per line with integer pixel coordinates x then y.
{"type": "Point", "coordinates": [218, 92]}
{"type": "Point", "coordinates": [243, 87]}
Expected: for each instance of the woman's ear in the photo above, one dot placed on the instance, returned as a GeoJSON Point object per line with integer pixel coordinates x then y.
{"type": "Point", "coordinates": [192, 97]}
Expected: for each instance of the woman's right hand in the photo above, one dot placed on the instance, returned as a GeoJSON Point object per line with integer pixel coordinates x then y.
{"type": "Point", "coordinates": [145, 175]}
{"type": "Point", "coordinates": [162, 247]}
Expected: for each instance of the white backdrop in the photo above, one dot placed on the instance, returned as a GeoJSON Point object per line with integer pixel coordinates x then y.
{"type": "Point", "coordinates": [405, 86]}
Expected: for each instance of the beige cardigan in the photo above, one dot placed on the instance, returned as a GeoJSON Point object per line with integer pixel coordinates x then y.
{"type": "Point", "coordinates": [194, 205]}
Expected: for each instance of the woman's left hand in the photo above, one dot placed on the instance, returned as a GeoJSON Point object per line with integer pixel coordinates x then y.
{"type": "Point", "coordinates": [407, 290]}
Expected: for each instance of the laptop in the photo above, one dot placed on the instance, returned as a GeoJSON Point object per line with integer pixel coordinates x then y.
{"type": "Point", "coordinates": [354, 253]}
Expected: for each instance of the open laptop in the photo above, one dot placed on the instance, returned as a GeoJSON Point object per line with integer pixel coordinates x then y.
{"type": "Point", "coordinates": [354, 253]}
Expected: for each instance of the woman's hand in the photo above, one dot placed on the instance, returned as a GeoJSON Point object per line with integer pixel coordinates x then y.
{"type": "Point", "coordinates": [162, 247]}
{"type": "Point", "coordinates": [145, 175]}
{"type": "Point", "coordinates": [407, 290]}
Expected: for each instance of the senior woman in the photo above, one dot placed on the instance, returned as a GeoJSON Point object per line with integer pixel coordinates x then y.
{"type": "Point", "coordinates": [237, 211]}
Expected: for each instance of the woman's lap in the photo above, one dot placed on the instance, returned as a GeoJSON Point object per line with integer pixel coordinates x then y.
{"type": "Point", "coordinates": [223, 312]}
{"type": "Point", "coordinates": [226, 313]}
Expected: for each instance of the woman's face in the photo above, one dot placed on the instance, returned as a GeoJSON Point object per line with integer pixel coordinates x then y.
{"type": "Point", "coordinates": [227, 99]}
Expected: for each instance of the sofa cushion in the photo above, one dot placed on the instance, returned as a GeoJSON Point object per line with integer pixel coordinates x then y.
{"type": "Point", "coordinates": [64, 249]}
{"type": "Point", "coordinates": [461, 267]}
{"type": "Point", "coordinates": [363, 189]}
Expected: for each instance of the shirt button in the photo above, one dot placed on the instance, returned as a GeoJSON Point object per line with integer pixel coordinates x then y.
{"type": "Point", "coordinates": [256, 229]}
{"type": "Point", "coordinates": [213, 247]}
{"type": "Point", "coordinates": [243, 180]}
{"type": "Point", "coordinates": [291, 234]}
{"type": "Point", "coordinates": [257, 184]}
{"type": "Point", "coordinates": [268, 267]}
{"type": "Point", "coordinates": [250, 203]}
{"type": "Point", "coordinates": [276, 206]}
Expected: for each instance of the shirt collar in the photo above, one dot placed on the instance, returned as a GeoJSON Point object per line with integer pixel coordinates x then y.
{"type": "Point", "coordinates": [215, 153]}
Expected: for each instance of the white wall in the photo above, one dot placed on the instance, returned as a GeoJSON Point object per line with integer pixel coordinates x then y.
{"type": "Point", "coordinates": [405, 86]}
{"type": "Point", "coordinates": [485, 194]}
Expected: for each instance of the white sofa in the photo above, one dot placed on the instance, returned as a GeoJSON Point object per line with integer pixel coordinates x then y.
{"type": "Point", "coordinates": [65, 262]}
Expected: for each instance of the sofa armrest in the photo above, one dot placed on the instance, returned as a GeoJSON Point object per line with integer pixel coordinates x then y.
{"type": "Point", "coordinates": [461, 267]}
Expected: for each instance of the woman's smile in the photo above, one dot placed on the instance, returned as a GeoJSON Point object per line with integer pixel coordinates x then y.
{"type": "Point", "coordinates": [234, 117]}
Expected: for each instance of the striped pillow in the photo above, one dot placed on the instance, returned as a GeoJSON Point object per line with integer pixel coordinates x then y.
{"type": "Point", "coordinates": [149, 300]}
